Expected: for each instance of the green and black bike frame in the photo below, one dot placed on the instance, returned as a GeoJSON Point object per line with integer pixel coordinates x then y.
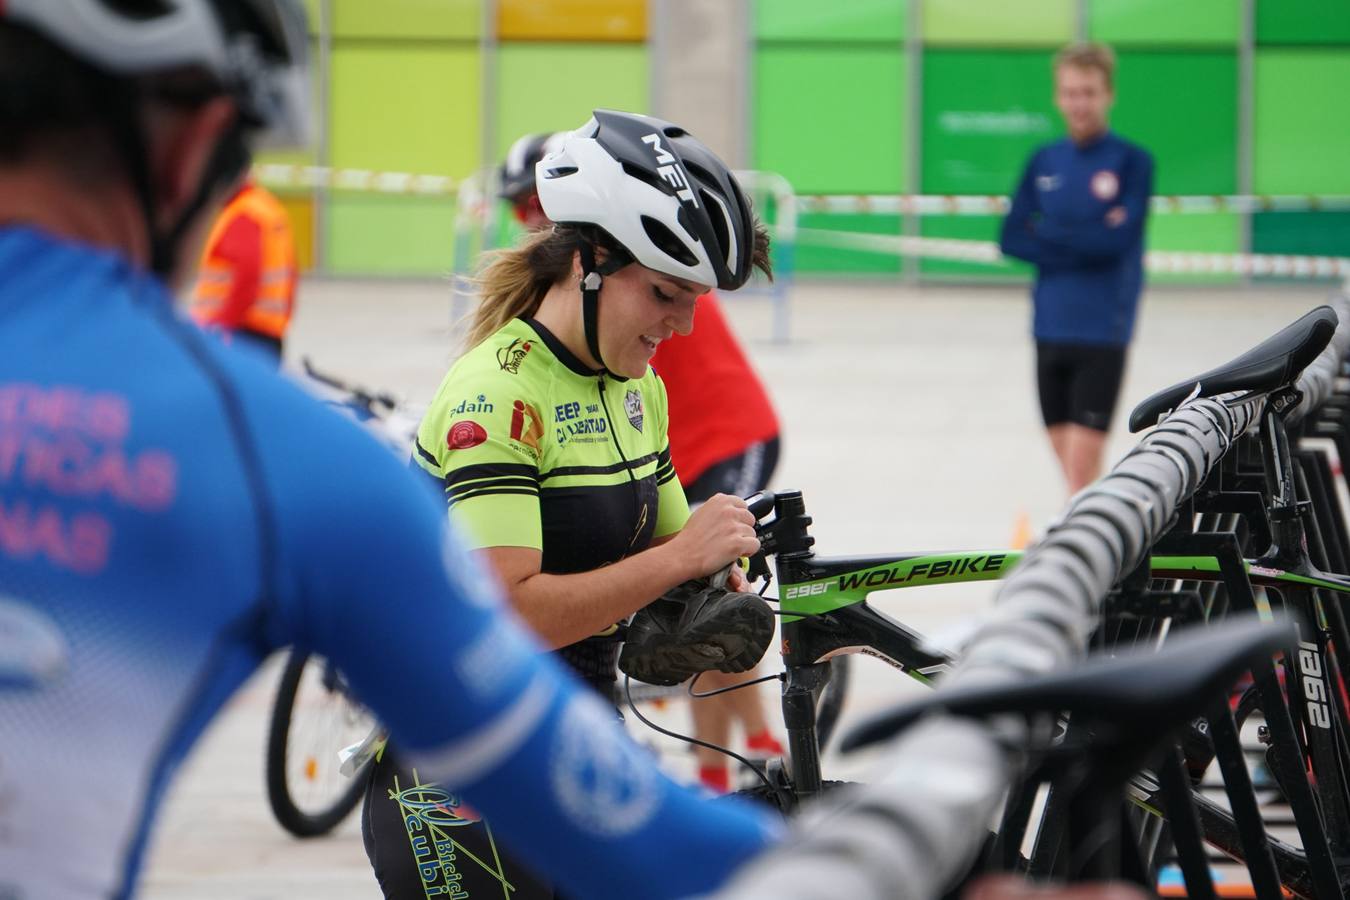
{"type": "Point", "coordinates": [825, 613]}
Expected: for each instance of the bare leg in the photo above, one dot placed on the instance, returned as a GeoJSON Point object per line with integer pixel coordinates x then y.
{"type": "Point", "coordinates": [1059, 442]}
{"type": "Point", "coordinates": [1082, 459]}
{"type": "Point", "coordinates": [712, 718]}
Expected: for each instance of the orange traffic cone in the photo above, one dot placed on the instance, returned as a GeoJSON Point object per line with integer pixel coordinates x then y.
{"type": "Point", "coordinates": [1021, 535]}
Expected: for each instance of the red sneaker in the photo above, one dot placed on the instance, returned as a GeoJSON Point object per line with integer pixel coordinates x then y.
{"type": "Point", "coordinates": [765, 743]}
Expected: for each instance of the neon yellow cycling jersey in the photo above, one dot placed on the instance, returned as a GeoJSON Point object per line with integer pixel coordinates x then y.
{"type": "Point", "coordinates": [534, 449]}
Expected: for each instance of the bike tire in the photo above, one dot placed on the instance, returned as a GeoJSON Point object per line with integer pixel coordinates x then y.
{"type": "Point", "coordinates": [280, 794]}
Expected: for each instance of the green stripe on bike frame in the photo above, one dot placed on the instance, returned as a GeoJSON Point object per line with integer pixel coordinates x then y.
{"type": "Point", "coordinates": [1178, 566]}
{"type": "Point", "coordinates": [825, 595]}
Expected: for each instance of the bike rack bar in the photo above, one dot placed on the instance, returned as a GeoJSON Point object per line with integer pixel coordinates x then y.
{"type": "Point", "coordinates": [917, 829]}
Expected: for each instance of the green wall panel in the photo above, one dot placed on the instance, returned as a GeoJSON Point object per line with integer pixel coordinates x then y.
{"type": "Point", "coordinates": [968, 228]}
{"type": "Point", "coordinates": [1302, 22]}
{"type": "Point", "coordinates": [816, 126]}
{"type": "Point", "coordinates": [979, 131]}
{"type": "Point", "coordinates": [812, 20]}
{"type": "Point", "coordinates": [1195, 233]}
{"type": "Point", "coordinates": [816, 257]}
{"type": "Point", "coordinates": [379, 123]}
{"type": "Point", "coordinates": [419, 19]}
{"type": "Point", "coordinates": [370, 234]}
{"type": "Point", "coordinates": [555, 87]}
{"type": "Point", "coordinates": [1165, 21]}
{"type": "Point", "coordinates": [1182, 108]}
{"type": "Point", "coordinates": [1302, 136]}
{"type": "Point", "coordinates": [1302, 234]}
{"type": "Point", "coordinates": [1038, 23]}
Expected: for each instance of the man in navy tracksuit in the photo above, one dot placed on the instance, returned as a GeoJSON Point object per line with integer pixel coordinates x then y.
{"type": "Point", "coordinates": [1078, 216]}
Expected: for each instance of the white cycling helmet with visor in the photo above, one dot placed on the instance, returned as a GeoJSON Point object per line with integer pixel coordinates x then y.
{"type": "Point", "coordinates": [660, 197]}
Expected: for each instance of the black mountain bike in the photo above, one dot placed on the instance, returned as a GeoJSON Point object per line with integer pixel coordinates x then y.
{"type": "Point", "coordinates": [1259, 501]}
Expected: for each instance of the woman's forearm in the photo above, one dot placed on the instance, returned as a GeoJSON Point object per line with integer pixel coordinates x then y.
{"type": "Point", "coordinates": [563, 609]}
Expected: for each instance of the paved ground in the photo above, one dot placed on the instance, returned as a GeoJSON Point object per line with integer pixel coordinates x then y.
{"type": "Point", "coordinates": [909, 422]}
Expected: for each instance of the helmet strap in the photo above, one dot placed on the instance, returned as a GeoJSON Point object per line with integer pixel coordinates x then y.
{"type": "Point", "coordinates": [228, 161]}
{"type": "Point", "coordinates": [592, 279]}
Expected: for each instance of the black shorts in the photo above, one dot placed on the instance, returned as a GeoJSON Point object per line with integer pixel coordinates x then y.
{"type": "Point", "coordinates": [422, 843]}
{"type": "Point", "coordinates": [740, 476]}
{"type": "Point", "coordinates": [1079, 383]}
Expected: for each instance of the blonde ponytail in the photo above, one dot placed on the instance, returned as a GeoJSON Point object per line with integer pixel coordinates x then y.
{"type": "Point", "coordinates": [515, 280]}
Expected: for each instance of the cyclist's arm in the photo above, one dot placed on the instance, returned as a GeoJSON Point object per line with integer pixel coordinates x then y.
{"type": "Point", "coordinates": [1020, 234]}
{"type": "Point", "coordinates": [367, 575]}
{"type": "Point", "coordinates": [564, 609]}
{"type": "Point", "coordinates": [1112, 236]}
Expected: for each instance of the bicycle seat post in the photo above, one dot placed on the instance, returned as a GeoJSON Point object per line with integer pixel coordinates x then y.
{"type": "Point", "coordinates": [1288, 550]}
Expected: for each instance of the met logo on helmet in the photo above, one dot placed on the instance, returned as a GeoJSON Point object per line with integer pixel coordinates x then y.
{"type": "Point", "coordinates": [668, 170]}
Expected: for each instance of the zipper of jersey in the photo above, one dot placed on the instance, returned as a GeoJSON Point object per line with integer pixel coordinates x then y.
{"type": "Point", "coordinates": [614, 430]}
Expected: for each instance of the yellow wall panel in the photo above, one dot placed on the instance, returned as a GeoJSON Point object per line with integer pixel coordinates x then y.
{"type": "Point", "coordinates": [572, 20]}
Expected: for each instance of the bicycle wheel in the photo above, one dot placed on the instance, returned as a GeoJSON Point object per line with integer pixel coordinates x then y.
{"type": "Point", "coordinates": [312, 719]}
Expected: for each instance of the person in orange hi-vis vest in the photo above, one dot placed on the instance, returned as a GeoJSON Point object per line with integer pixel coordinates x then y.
{"type": "Point", "coordinates": [246, 281]}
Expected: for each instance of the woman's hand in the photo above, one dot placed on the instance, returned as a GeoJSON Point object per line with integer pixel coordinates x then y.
{"type": "Point", "coordinates": [718, 532]}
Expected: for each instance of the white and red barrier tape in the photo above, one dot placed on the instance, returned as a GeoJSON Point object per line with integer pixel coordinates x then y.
{"type": "Point", "coordinates": [366, 180]}
{"type": "Point", "coordinates": [1158, 261]}
{"type": "Point", "coordinates": [989, 205]}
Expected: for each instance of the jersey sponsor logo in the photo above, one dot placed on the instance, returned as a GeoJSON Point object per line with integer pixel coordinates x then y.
{"type": "Point", "coordinates": [470, 407]}
{"type": "Point", "coordinates": [603, 782]}
{"type": "Point", "coordinates": [527, 425]}
{"type": "Point", "coordinates": [513, 354]}
{"type": "Point", "coordinates": [632, 406]}
{"type": "Point", "coordinates": [1047, 182]}
{"type": "Point", "coordinates": [670, 169]}
{"type": "Point", "coordinates": [33, 652]}
{"type": "Point", "coordinates": [463, 435]}
{"type": "Point", "coordinates": [430, 815]}
{"type": "Point", "coordinates": [571, 425]}
{"type": "Point", "coordinates": [1105, 185]}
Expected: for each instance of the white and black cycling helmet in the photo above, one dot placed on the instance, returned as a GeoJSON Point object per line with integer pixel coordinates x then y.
{"type": "Point", "coordinates": [516, 177]}
{"type": "Point", "coordinates": [656, 190]}
{"type": "Point", "coordinates": [253, 51]}
{"type": "Point", "coordinates": [656, 196]}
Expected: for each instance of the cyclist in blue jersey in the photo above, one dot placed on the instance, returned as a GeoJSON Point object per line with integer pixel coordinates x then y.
{"type": "Point", "coordinates": [1078, 216]}
{"type": "Point", "coordinates": [130, 441]}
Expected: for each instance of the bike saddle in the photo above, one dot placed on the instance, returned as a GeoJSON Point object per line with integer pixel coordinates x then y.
{"type": "Point", "coordinates": [1275, 362]}
{"type": "Point", "coordinates": [1135, 692]}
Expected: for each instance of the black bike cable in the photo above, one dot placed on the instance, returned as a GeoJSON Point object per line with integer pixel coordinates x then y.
{"type": "Point", "coordinates": [628, 694]}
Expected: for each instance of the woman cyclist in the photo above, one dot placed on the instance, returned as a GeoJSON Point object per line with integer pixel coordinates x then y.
{"type": "Point", "coordinates": [548, 439]}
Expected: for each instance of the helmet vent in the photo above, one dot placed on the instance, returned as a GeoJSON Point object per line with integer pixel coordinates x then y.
{"type": "Point", "coordinates": [666, 241]}
{"type": "Point", "coordinates": [140, 10]}
{"type": "Point", "coordinates": [560, 171]}
{"type": "Point", "coordinates": [721, 233]}
{"type": "Point", "coordinates": [646, 176]}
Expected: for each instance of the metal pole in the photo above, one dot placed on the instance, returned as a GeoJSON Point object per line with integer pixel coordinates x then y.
{"type": "Point", "coordinates": [1245, 118]}
{"type": "Point", "coordinates": [322, 148]}
{"type": "Point", "coordinates": [909, 221]}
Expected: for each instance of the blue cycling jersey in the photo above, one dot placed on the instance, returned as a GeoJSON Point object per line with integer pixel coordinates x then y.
{"type": "Point", "coordinates": [170, 513]}
{"type": "Point", "coordinates": [1089, 261]}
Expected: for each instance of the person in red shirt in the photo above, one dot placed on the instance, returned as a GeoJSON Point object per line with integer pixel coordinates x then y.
{"type": "Point", "coordinates": [246, 280]}
{"type": "Point", "coordinates": [724, 439]}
